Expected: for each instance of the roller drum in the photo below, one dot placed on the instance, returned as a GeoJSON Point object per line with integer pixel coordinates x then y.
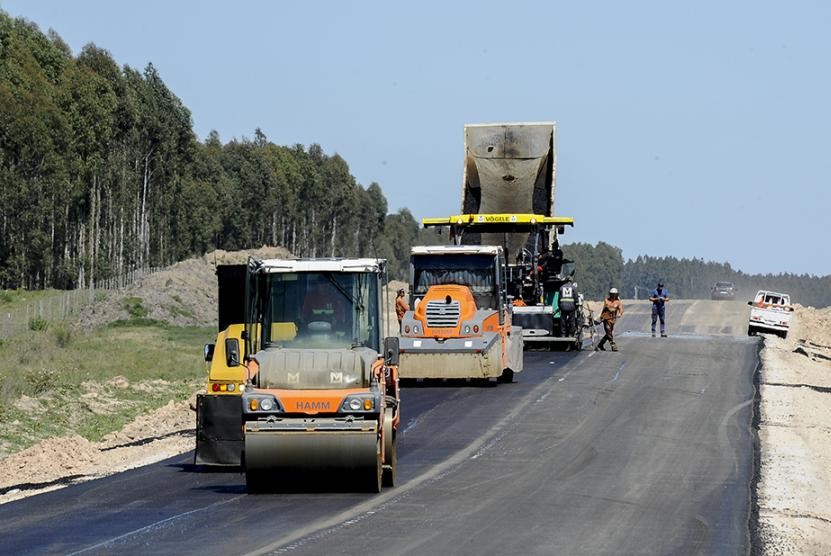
{"type": "Point", "coordinates": [288, 452]}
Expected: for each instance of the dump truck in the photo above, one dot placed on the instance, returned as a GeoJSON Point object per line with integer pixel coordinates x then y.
{"type": "Point", "coordinates": [321, 394]}
{"type": "Point", "coordinates": [510, 169]}
{"type": "Point", "coordinates": [219, 439]}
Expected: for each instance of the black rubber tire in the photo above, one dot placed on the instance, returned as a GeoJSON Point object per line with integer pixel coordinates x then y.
{"type": "Point", "coordinates": [391, 469]}
{"type": "Point", "coordinates": [751, 331]}
{"type": "Point", "coordinates": [507, 376]}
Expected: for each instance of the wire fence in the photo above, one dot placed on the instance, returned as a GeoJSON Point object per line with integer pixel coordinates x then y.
{"type": "Point", "coordinates": [61, 306]}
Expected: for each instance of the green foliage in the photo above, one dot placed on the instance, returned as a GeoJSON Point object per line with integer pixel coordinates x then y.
{"type": "Point", "coordinates": [63, 335]}
{"type": "Point", "coordinates": [101, 174]}
{"type": "Point", "coordinates": [134, 307]}
{"type": "Point", "coordinates": [597, 267]}
{"type": "Point", "coordinates": [37, 324]}
{"type": "Point", "coordinates": [39, 380]}
{"type": "Point", "coordinates": [401, 232]}
{"type": "Point", "coordinates": [73, 388]}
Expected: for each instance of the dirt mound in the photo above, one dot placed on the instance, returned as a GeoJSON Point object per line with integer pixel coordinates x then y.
{"type": "Point", "coordinates": [183, 294]}
{"type": "Point", "coordinates": [58, 462]}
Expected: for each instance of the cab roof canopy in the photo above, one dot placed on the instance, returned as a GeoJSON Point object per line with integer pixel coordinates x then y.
{"type": "Point", "coordinates": [317, 265]}
{"type": "Point", "coordinates": [456, 250]}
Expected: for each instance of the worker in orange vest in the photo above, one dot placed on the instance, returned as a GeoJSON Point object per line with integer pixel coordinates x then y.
{"type": "Point", "coordinates": [401, 306]}
{"type": "Point", "coordinates": [612, 310]}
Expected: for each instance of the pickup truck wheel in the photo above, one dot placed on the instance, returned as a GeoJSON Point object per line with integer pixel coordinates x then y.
{"type": "Point", "coordinates": [751, 331]}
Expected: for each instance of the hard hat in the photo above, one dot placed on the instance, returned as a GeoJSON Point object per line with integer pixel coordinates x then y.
{"type": "Point", "coordinates": [613, 291]}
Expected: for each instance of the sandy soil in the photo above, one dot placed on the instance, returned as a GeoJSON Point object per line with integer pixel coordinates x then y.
{"type": "Point", "coordinates": [57, 462]}
{"type": "Point", "coordinates": [795, 434]}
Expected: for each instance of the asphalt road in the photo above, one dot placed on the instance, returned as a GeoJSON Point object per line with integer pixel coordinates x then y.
{"type": "Point", "coordinates": [648, 450]}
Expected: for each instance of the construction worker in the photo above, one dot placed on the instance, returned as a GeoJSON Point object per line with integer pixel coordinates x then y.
{"type": "Point", "coordinates": [401, 306]}
{"type": "Point", "coordinates": [568, 308]}
{"type": "Point", "coordinates": [612, 310]}
{"type": "Point", "coordinates": [659, 297]}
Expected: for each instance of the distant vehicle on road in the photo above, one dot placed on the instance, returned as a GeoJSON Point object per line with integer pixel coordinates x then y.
{"type": "Point", "coordinates": [770, 312]}
{"type": "Point", "coordinates": [723, 290]}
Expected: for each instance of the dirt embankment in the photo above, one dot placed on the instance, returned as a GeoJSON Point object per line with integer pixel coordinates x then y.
{"type": "Point", "coordinates": [183, 294]}
{"type": "Point", "coordinates": [61, 461]}
{"type": "Point", "coordinates": [794, 492]}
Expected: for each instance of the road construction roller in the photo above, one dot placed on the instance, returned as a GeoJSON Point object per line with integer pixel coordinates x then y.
{"type": "Point", "coordinates": [459, 325]}
{"type": "Point", "coordinates": [321, 395]}
{"type": "Point", "coordinates": [219, 439]}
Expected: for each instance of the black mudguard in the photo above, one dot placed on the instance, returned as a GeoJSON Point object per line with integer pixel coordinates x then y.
{"type": "Point", "coordinates": [219, 436]}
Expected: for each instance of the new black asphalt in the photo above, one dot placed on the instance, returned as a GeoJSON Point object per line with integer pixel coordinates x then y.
{"type": "Point", "coordinates": [648, 450]}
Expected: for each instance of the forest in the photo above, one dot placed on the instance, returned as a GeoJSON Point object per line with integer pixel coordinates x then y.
{"type": "Point", "coordinates": [101, 175]}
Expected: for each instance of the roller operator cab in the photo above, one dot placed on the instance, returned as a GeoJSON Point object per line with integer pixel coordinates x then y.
{"type": "Point", "coordinates": [460, 322]}
{"type": "Point", "coordinates": [322, 387]}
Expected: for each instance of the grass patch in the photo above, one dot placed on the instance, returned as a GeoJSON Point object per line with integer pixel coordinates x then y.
{"type": "Point", "coordinates": [135, 307]}
{"type": "Point", "coordinates": [11, 300]}
{"type": "Point", "coordinates": [69, 380]}
{"type": "Point", "coordinates": [38, 323]}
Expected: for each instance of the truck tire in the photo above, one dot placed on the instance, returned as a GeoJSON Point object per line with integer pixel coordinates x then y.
{"type": "Point", "coordinates": [751, 331]}
{"type": "Point", "coordinates": [507, 376]}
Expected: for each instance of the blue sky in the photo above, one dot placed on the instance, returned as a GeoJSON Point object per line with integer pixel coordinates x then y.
{"type": "Point", "coordinates": [698, 129]}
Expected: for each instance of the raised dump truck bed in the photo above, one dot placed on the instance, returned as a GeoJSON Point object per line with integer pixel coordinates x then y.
{"type": "Point", "coordinates": [509, 168]}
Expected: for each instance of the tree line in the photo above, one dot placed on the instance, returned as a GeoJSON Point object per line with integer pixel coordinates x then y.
{"type": "Point", "coordinates": [101, 174]}
{"type": "Point", "coordinates": [694, 278]}
{"type": "Point", "coordinates": [600, 267]}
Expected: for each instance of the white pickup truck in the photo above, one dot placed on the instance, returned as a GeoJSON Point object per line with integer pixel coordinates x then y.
{"type": "Point", "coordinates": [770, 312]}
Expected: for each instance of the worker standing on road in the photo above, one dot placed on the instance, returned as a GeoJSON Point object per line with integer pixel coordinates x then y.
{"type": "Point", "coordinates": [567, 301]}
{"type": "Point", "coordinates": [659, 297]}
{"type": "Point", "coordinates": [612, 310]}
{"type": "Point", "coordinates": [401, 306]}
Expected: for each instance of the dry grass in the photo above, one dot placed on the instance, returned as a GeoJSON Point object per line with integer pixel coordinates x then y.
{"type": "Point", "coordinates": [56, 382]}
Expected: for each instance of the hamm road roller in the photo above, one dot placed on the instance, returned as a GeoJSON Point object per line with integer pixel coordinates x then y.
{"type": "Point", "coordinates": [321, 395]}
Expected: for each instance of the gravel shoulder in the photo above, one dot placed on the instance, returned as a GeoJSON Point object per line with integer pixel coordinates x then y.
{"type": "Point", "coordinates": [794, 492]}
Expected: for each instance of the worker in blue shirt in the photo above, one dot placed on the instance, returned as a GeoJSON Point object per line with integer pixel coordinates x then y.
{"type": "Point", "coordinates": [659, 298]}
